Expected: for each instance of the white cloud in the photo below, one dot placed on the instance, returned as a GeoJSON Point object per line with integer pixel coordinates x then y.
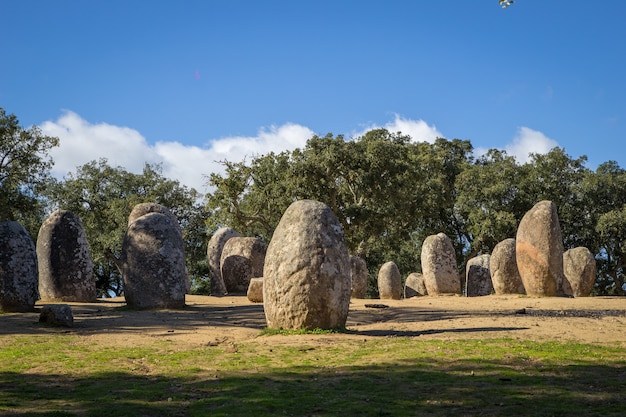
{"type": "Point", "coordinates": [529, 141]}
{"type": "Point", "coordinates": [82, 142]}
{"type": "Point", "coordinates": [418, 130]}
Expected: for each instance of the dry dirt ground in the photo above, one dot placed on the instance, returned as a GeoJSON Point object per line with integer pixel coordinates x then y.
{"type": "Point", "coordinates": [234, 319]}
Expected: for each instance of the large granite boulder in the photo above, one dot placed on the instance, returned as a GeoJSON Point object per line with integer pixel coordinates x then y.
{"type": "Point", "coordinates": [503, 267]}
{"type": "Point", "coordinates": [439, 266]}
{"type": "Point", "coordinates": [358, 277]}
{"type": "Point", "coordinates": [153, 263]}
{"type": "Point", "coordinates": [18, 269]}
{"type": "Point", "coordinates": [414, 285]}
{"type": "Point", "coordinates": [478, 277]}
{"type": "Point", "coordinates": [242, 259]}
{"type": "Point", "coordinates": [307, 270]}
{"type": "Point", "coordinates": [539, 250]}
{"type": "Point", "coordinates": [214, 255]}
{"type": "Point", "coordinates": [389, 282]}
{"type": "Point", "coordinates": [142, 209]}
{"type": "Point", "coordinates": [65, 266]}
{"type": "Point", "coordinates": [579, 267]}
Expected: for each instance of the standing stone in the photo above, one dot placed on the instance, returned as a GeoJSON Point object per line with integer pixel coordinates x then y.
{"type": "Point", "coordinates": [242, 259]}
{"type": "Point", "coordinates": [539, 250]}
{"type": "Point", "coordinates": [358, 277]}
{"type": "Point", "coordinates": [142, 209]}
{"type": "Point", "coordinates": [18, 269]}
{"type": "Point", "coordinates": [503, 267]}
{"type": "Point", "coordinates": [214, 255]}
{"type": "Point", "coordinates": [389, 282]}
{"type": "Point", "coordinates": [477, 277]}
{"type": "Point", "coordinates": [439, 266]}
{"type": "Point", "coordinates": [307, 270]}
{"type": "Point", "coordinates": [153, 263]}
{"type": "Point", "coordinates": [579, 267]}
{"type": "Point", "coordinates": [414, 285]}
{"type": "Point", "coordinates": [65, 266]}
{"type": "Point", "coordinates": [255, 290]}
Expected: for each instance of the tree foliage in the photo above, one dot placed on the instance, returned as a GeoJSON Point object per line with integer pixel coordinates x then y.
{"type": "Point", "coordinates": [24, 169]}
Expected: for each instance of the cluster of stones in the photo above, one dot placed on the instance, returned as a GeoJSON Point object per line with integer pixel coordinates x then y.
{"type": "Point", "coordinates": [532, 263]}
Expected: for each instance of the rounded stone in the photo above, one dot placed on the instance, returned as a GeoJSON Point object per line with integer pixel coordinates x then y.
{"type": "Point", "coordinates": [358, 277]}
{"type": "Point", "coordinates": [307, 270]}
{"type": "Point", "coordinates": [414, 285]}
{"type": "Point", "coordinates": [18, 269]}
{"type": "Point", "coordinates": [389, 282]}
{"type": "Point", "coordinates": [503, 267]}
{"type": "Point", "coordinates": [539, 251]}
{"type": "Point", "coordinates": [439, 266]}
{"type": "Point", "coordinates": [214, 254]}
{"type": "Point", "coordinates": [65, 265]}
{"type": "Point", "coordinates": [478, 277]}
{"type": "Point", "coordinates": [153, 264]}
{"type": "Point", "coordinates": [242, 259]}
{"type": "Point", "coordinates": [579, 267]}
{"type": "Point", "coordinates": [255, 290]}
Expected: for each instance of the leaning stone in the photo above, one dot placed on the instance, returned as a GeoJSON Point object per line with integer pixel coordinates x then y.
{"type": "Point", "coordinates": [439, 266]}
{"type": "Point", "coordinates": [477, 277]}
{"type": "Point", "coordinates": [307, 270]}
{"type": "Point", "coordinates": [539, 251]}
{"type": "Point", "coordinates": [579, 267]}
{"type": "Point", "coordinates": [358, 277]}
{"type": "Point", "coordinates": [214, 254]}
{"type": "Point", "coordinates": [18, 269]}
{"type": "Point", "coordinates": [65, 266]}
{"type": "Point", "coordinates": [57, 315]}
{"type": "Point", "coordinates": [153, 264]}
{"type": "Point", "coordinates": [255, 290]}
{"type": "Point", "coordinates": [503, 267]}
{"type": "Point", "coordinates": [242, 259]}
{"type": "Point", "coordinates": [414, 285]}
{"type": "Point", "coordinates": [389, 282]}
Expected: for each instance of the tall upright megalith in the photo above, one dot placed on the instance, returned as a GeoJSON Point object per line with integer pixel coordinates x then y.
{"type": "Point", "coordinates": [65, 265]}
{"type": "Point", "coordinates": [389, 282]}
{"type": "Point", "coordinates": [439, 266]}
{"type": "Point", "coordinates": [214, 255]}
{"type": "Point", "coordinates": [358, 277]}
{"type": "Point", "coordinates": [153, 263]}
{"type": "Point", "coordinates": [307, 270]}
{"type": "Point", "coordinates": [503, 268]}
{"type": "Point", "coordinates": [478, 276]}
{"type": "Point", "coordinates": [18, 269]}
{"type": "Point", "coordinates": [539, 250]}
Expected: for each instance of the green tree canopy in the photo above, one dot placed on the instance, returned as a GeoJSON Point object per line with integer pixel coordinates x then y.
{"type": "Point", "coordinates": [24, 169]}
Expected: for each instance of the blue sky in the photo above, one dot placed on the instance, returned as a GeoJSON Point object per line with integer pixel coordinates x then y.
{"type": "Point", "coordinates": [187, 83]}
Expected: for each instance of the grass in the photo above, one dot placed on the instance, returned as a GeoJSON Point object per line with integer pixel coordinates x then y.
{"type": "Point", "coordinates": [66, 375]}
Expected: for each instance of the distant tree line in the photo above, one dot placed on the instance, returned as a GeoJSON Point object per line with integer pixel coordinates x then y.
{"type": "Point", "coordinates": [388, 191]}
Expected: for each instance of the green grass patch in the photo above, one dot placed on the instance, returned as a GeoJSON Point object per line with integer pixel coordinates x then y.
{"type": "Point", "coordinates": [66, 375]}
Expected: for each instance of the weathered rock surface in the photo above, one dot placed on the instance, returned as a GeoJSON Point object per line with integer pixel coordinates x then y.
{"type": "Point", "coordinates": [153, 263]}
{"type": "Point", "coordinates": [57, 315]}
{"type": "Point", "coordinates": [389, 282]}
{"type": "Point", "coordinates": [439, 266]}
{"type": "Point", "coordinates": [503, 267]}
{"type": "Point", "coordinates": [65, 265]}
{"type": "Point", "coordinates": [539, 251]}
{"type": "Point", "coordinates": [214, 255]}
{"type": "Point", "coordinates": [18, 269]}
{"type": "Point", "coordinates": [242, 259]}
{"type": "Point", "coordinates": [358, 277]}
{"type": "Point", "coordinates": [255, 290]}
{"type": "Point", "coordinates": [414, 285]}
{"type": "Point", "coordinates": [478, 277]}
{"type": "Point", "coordinates": [142, 209]}
{"type": "Point", "coordinates": [307, 270]}
{"type": "Point", "coordinates": [579, 267]}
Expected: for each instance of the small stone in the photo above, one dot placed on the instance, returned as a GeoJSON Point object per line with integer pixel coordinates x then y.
{"type": "Point", "coordinates": [57, 315]}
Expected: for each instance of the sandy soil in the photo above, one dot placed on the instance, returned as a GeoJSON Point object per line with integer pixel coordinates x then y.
{"type": "Point", "coordinates": [232, 319]}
